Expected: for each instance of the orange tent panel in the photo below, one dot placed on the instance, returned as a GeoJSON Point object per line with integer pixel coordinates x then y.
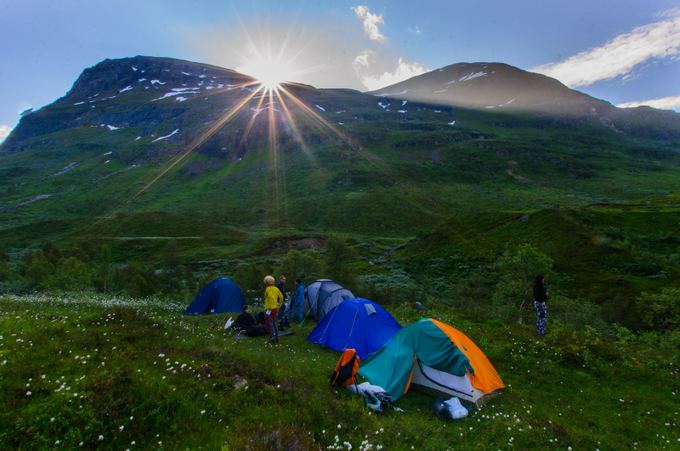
{"type": "Point", "coordinates": [485, 377]}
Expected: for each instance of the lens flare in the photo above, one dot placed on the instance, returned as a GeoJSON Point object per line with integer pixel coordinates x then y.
{"type": "Point", "coordinates": [269, 71]}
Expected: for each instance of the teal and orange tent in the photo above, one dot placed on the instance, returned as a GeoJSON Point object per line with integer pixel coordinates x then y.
{"type": "Point", "coordinates": [435, 356]}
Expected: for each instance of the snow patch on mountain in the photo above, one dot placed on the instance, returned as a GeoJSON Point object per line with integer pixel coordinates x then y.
{"type": "Point", "coordinates": [472, 76]}
{"type": "Point", "coordinates": [175, 93]}
{"type": "Point", "coordinates": [157, 82]}
{"type": "Point", "coordinates": [320, 107]}
{"type": "Point", "coordinates": [127, 88]}
{"type": "Point", "coordinates": [174, 132]}
{"type": "Point", "coordinates": [110, 127]}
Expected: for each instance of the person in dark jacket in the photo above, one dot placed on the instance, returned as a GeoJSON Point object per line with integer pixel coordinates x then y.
{"type": "Point", "coordinates": [540, 304]}
{"type": "Point", "coordinates": [284, 317]}
{"type": "Point", "coordinates": [245, 319]}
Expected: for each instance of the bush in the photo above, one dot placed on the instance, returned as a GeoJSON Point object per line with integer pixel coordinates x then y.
{"type": "Point", "coordinates": [337, 262]}
{"type": "Point", "coordinates": [70, 274]}
{"type": "Point", "coordinates": [517, 267]}
{"type": "Point", "coordinates": [303, 265]}
{"type": "Point", "coordinates": [136, 279]}
{"type": "Point", "coordinates": [660, 310]}
{"type": "Point", "coordinates": [577, 314]}
{"type": "Point", "coordinates": [38, 269]}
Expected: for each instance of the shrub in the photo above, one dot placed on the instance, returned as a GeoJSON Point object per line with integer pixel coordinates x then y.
{"type": "Point", "coordinates": [517, 267]}
{"type": "Point", "coordinates": [660, 310]}
{"type": "Point", "coordinates": [337, 262]}
{"type": "Point", "coordinates": [70, 274]}
{"type": "Point", "coordinates": [38, 269]}
{"type": "Point", "coordinates": [302, 265]}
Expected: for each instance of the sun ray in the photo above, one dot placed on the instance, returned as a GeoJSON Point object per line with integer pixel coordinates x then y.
{"type": "Point", "coordinates": [202, 138]}
{"type": "Point", "coordinates": [296, 131]}
{"type": "Point", "coordinates": [251, 122]}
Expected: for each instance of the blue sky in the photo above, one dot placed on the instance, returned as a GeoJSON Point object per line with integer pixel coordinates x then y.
{"type": "Point", "coordinates": [624, 51]}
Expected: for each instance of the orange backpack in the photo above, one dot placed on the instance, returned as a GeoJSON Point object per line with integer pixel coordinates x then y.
{"type": "Point", "coordinates": [346, 369]}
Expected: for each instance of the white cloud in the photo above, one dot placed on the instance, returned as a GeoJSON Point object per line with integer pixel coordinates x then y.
{"type": "Point", "coordinates": [372, 81]}
{"type": "Point", "coordinates": [665, 103]}
{"type": "Point", "coordinates": [4, 131]}
{"type": "Point", "coordinates": [371, 22]}
{"type": "Point", "coordinates": [620, 55]}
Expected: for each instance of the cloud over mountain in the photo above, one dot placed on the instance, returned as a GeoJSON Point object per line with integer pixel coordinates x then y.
{"type": "Point", "coordinates": [620, 55]}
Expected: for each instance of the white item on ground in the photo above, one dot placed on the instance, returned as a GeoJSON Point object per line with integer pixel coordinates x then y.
{"type": "Point", "coordinates": [228, 324]}
{"type": "Point", "coordinates": [456, 408]}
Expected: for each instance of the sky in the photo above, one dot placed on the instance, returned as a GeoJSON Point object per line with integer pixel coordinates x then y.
{"type": "Point", "coordinates": [624, 51]}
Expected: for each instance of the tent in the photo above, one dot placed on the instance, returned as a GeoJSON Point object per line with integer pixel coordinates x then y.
{"type": "Point", "coordinates": [356, 323]}
{"type": "Point", "coordinates": [322, 295]}
{"type": "Point", "coordinates": [220, 295]}
{"type": "Point", "coordinates": [435, 356]}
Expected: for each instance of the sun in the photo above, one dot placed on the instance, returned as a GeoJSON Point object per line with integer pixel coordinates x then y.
{"type": "Point", "coordinates": [270, 72]}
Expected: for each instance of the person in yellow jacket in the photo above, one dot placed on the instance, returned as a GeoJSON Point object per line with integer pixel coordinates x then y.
{"type": "Point", "coordinates": [273, 300]}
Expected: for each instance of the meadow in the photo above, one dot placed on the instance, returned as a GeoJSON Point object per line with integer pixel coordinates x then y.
{"type": "Point", "coordinates": [112, 372]}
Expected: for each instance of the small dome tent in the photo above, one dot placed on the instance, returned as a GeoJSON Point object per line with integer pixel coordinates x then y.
{"type": "Point", "coordinates": [219, 296]}
{"type": "Point", "coordinates": [435, 356]}
{"type": "Point", "coordinates": [355, 323]}
{"type": "Point", "coordinates": [322, 295]}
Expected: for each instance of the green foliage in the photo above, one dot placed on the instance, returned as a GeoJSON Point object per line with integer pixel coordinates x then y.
{"type": "Point", "coordinates": [38, 268]}
{"type": "Point", "coordinates": [75, 368]}
{"type": "Point", "coordinates": [577, 314]}
{"type": "Point", "coordinates": [301, 265]}
{"type": "Point", "coordinates": [136, 279]}
{"type": "Point", "coordinates": [249, 276]}
{"type": "Point", "coordinates": [337, 262]}
{"type": "Point", "coordinates": [517, 267]}
{"type": "Point", "coordinates": [660, 311]}
{"type": "Point", "coordinates": [70, 274]}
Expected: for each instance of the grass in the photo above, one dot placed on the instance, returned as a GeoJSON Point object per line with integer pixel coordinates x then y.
{"type": "Point", "coordinates": [125, 373]}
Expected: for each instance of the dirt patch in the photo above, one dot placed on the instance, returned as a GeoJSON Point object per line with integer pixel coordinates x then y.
{"type": "Point", "coordinates": [282, 245]}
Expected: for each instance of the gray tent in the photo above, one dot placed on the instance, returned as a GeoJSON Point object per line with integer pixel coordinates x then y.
{"type": "Point", "coordinates": [322, 295]}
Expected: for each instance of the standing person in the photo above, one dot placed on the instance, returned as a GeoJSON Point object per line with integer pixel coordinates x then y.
{"type": "Point", "coordinates": [540, 304]}
{"type": "Point", "coordinates": [298, 300]}
{"type": "Point", "coordinates": [273, 300]}
{"type": "Point", "coordinates": [284, 318]}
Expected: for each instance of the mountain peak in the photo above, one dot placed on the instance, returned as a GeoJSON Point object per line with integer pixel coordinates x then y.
{"type": "Point", "coordinates": [114, 75]}
{"type": "Point", "coordinates": [494, 86]}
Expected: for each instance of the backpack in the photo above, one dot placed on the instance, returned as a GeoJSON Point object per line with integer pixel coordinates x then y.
{"type": "Point", "coordinates": [346, 369]}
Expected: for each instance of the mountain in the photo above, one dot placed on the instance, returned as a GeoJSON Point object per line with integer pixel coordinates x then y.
{"type": "Point", "coordinates": [145, 134]}
{"type": "Point", "coordinates": [157, 159]}
{"type": "Point", "coordinates": [501, 87]}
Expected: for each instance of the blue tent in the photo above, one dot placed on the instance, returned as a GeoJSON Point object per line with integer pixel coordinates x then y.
{"type": "Point", "coordinates": [355, 323]}
{"type": "Point", "coordinates": [219, 296]}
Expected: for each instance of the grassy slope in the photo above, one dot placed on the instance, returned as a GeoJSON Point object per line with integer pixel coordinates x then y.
{"type": "Point", "coordinates": [135, 371]}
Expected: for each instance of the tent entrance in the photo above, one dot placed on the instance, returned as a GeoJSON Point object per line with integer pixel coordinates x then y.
{"type": "Point", "coordinates": [444, 384]}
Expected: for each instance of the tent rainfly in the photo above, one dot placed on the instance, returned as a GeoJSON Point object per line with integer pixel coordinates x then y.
{"type": "Point", "coordinates": [322, 295]}
{"type": "Point", "coordinates": [219, 296]}
{"type": "Point", "coordinates": [436, 357]}
{"type": "Point", "coordinates": [356, 323]}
